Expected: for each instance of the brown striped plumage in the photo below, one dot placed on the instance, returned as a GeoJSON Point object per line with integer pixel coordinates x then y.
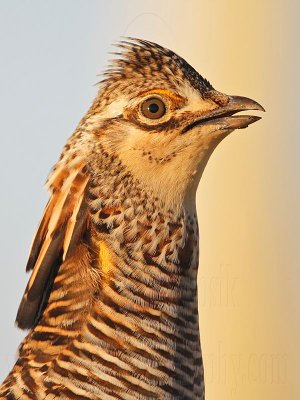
{"type": "Point", "coordinates": [111, 303]}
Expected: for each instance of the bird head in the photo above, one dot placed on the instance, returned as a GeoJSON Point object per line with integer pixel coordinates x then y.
{"type": "Point", "coordinates": [162, 120]}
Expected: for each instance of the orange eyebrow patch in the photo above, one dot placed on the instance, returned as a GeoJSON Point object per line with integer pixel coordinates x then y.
{"type": "Point", "coordinates": [164, 92]}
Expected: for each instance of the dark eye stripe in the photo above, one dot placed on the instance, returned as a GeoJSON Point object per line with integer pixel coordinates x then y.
{"type": "Point", "coordinates": [153, 108]}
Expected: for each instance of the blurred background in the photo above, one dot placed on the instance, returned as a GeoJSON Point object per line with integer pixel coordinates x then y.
{"type": "Point", "coordinates": [248, 200]}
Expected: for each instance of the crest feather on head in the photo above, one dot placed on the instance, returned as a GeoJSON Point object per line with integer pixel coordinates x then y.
{"type": "Point", "coordinates": [143, 59]}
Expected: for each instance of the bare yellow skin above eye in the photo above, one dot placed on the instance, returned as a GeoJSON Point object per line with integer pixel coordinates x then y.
{"type": "Point", "coordinates": [105, 259]}
{"type": "Point", "coordinates": [164, 92]}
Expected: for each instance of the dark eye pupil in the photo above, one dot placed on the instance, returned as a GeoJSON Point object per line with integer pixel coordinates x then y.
{"type": "Point", "coordinates": [153, 108]}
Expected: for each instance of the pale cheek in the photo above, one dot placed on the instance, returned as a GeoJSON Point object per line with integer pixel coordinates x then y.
{"type": "Point", "coordinates": [133, 139]}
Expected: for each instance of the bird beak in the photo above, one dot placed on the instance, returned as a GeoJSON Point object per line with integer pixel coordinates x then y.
{"type": "Point", "coordinates": [224, 116]}
{"type": "Point", "coordinates": [236, 104]}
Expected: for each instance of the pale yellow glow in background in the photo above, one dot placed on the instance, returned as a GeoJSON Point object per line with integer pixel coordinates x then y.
{"type": "Point", "coordinates": [248, 198]}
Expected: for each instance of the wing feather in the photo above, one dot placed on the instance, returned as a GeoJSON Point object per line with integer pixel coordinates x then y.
{"type": "Point", "coordinates": [60, 230]}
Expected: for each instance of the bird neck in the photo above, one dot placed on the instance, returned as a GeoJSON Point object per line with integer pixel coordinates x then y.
{"type": "Point", "coordinates": [157, 247]}
{"type": "Point", "coordinates": [147, 258]}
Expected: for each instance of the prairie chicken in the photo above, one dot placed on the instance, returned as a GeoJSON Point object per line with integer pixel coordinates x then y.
{"type": "Point", "coordinates": [111, 302]}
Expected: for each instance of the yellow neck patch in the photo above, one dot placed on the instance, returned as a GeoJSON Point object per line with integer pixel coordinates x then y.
{"type": "Point", "coordinates": [105, 259]}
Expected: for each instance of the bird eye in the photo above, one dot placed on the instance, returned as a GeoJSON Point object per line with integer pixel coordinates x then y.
{"type": "Point", "coordinates": [153, 108]}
